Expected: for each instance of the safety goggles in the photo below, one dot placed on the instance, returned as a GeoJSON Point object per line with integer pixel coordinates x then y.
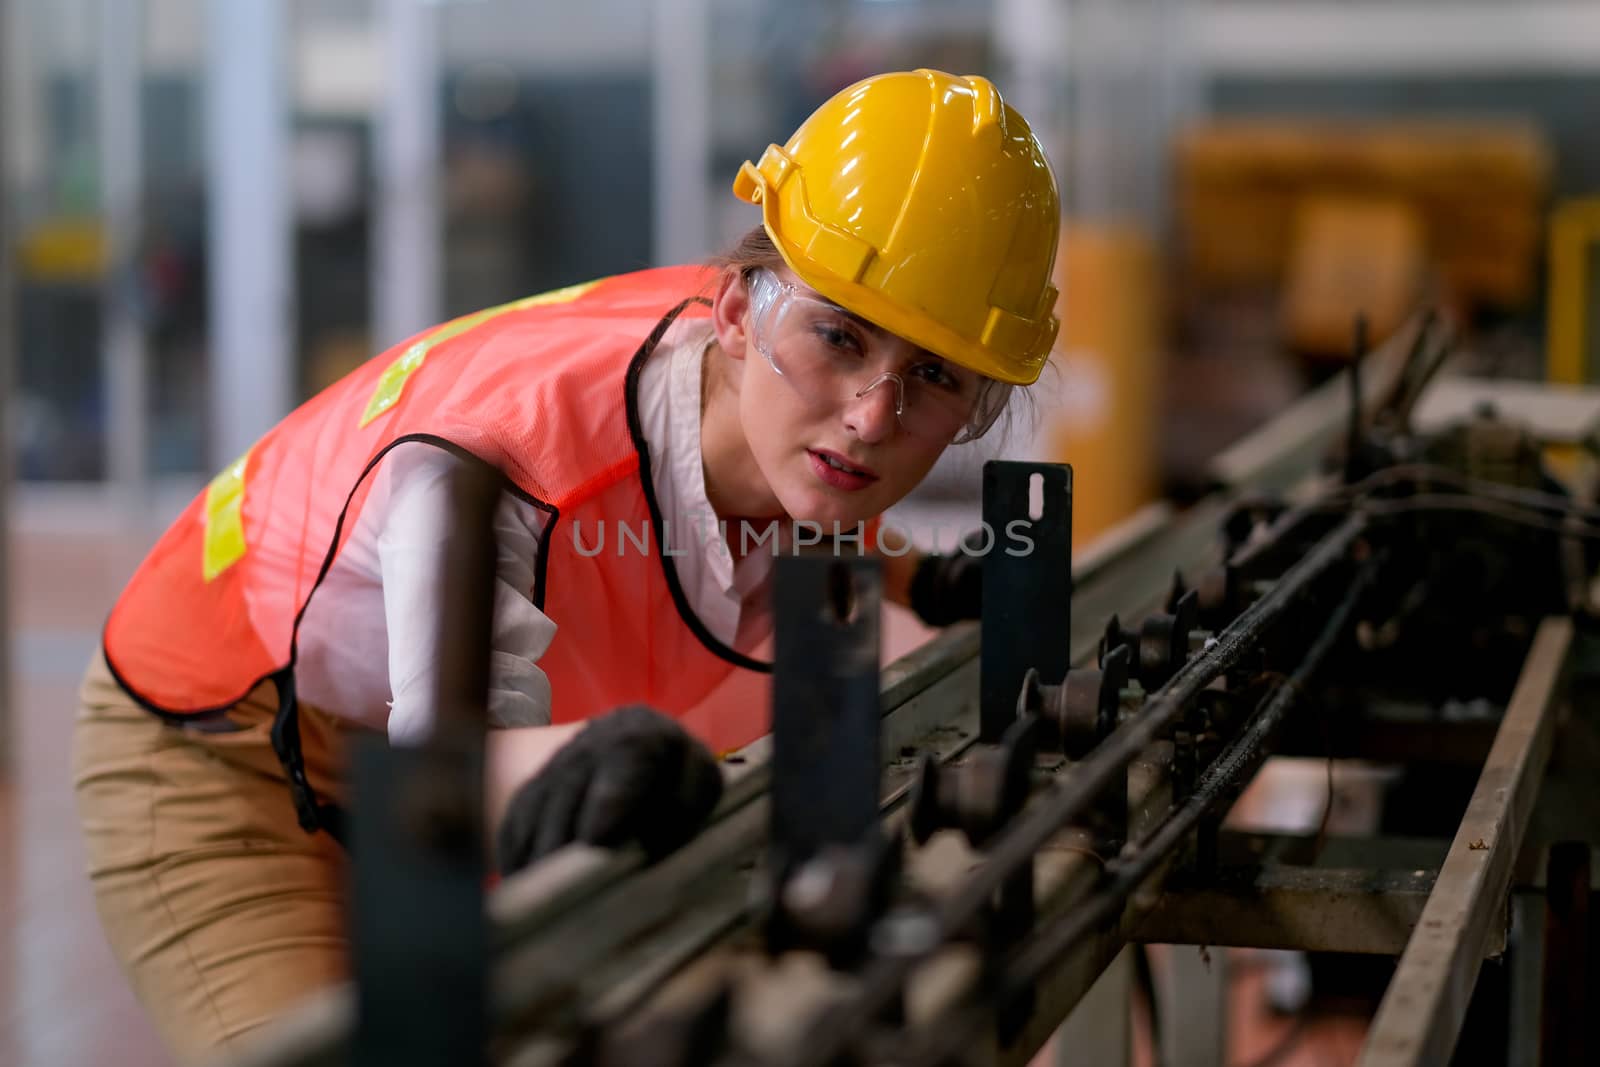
{"type": "Point", "coordinates": [822, 351]}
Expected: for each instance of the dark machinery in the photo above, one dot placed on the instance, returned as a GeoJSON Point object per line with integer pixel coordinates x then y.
{"type": "Point", "coordinates": [932, 864]}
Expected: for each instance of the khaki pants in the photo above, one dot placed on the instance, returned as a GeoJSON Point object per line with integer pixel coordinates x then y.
{"type": "Point", "coordinates": [222, 911]}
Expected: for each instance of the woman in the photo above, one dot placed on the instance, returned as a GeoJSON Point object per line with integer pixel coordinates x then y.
{"type": "Point", "coordinates": [899, 287]}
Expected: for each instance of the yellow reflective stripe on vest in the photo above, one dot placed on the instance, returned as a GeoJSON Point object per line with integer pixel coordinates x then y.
{"type": "Point", "coordinates": [224, 539]}
{"type": "Point", "coordinates": [393, 380]}
{"type": "Point", "coordinates": [564, 295]}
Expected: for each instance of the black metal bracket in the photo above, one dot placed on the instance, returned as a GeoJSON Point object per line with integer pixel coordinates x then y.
{"type": "Point", "coordinates": [419, 933]}
{"type": "Point", "coordinates": [1026, 632]}
{"type": "Point", "coordinates": [1218, 593]}
{"type": "Point", "coordinates": [830, 868]}
{"type": "Point", "coordinates": [1027, 585]}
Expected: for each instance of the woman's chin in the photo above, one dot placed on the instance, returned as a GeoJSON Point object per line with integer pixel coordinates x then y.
{"type": "Point", "coordinates": [825, 513]}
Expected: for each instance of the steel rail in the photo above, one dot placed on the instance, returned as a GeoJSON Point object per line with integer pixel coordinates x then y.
{"type": "Point", "coordinates": [883, 981]}
{"type": "Point", "coordinates": [923, 694]}
{"type": "Point", "coordinates": [1130, 572]}
{"type": "Point", "coordinates": [1423, 1009]}
{"type": "Point", "coordinates": [561, 887]}
{"type": "Point", "coordinates": [1222, 780]}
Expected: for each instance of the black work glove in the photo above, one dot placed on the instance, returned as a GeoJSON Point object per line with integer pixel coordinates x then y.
{"type": "Point", "coordinates": [948, 589]}
{"type": "Point", "coordinates": [632, 775]}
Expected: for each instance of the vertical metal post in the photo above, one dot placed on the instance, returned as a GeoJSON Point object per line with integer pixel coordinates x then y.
{"type": "Point", "coordinates": [419, 932]}
{"type": "Point", "coordinates": [119, 117]}
{"type": "Point", "coordinates": [1194, 1007]}
{"type": "Point", "coordinates": [1026, 625]}
{"type": "Point", "coordinates": [681, 130]}
{"type": "Point", "coordinates": [1526, 979]}
{"type": "Point", "coordinates": [1564, 1029]}
{"type": "Point", "coordinates": [1097, 158]}
{"type": "Point", "coordinates": [8, 327]}
{"type": "Point", "coordinates": [829, 866]}
{"type": "Point", "coordinates": [1099, 1030]}
{"type": "Point", "coordinates": [825, 717]}
{"type": "Point", "coordinates": [248, 234]}
{"type": "Point", "coordinates": [1030, 39]}
{"type": "Point", "coordinates": [1134, 83]}
{"type": "Point", "coordinates": [1027, 585]}
{"type": "Point", "coordinates": [407, 261]}
{"type": "Point", "coordinates": [1179, 98]}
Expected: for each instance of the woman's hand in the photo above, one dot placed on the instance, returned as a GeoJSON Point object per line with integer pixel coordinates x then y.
{"type": "Point", "coordinates": [633, 774]}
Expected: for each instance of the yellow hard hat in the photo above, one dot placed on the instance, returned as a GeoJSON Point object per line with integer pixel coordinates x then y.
{"type": "Point", "coordinates": [922, 202]}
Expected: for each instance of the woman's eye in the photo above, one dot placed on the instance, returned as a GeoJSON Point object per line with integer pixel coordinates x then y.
{"type": "Point", "coordinates": [837, 336]}
{"type": "Point", "coordinates": [936, 374]}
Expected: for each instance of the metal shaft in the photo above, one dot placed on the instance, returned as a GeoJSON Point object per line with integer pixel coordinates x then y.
{"type": "Point", "coordinates": [1016, 847]}
{"type": "Point", "coordinates": [1222, 781]}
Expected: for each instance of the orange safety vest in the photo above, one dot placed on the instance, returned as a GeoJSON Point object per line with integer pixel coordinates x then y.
{"type": "Point", "coordinates": [544, 390]}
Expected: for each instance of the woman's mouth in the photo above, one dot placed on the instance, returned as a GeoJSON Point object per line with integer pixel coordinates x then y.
{"type": "Point", "coordinates": [836, 471]}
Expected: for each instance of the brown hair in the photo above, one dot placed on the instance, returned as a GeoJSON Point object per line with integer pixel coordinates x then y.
{"type": "Point", "coordinates": [753, 251]}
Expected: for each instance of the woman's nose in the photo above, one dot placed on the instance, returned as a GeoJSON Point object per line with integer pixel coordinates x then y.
{"type": "Point", "coordinates": [873, 412]}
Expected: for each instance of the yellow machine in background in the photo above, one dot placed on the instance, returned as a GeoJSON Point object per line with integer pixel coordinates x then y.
{"type": "Point", "coordinates": [1572, 350]}
{"type": "Point", "coordinates": [1108, 360]}
{"type": "Point", "coordinates": [68, 249]}
{"type": "Point", "coordinates": [1346, 217]}
{"type": "Point", "coordinates": [1349, 255]}
{"type": "Point", "coordinates": [1314, 221]}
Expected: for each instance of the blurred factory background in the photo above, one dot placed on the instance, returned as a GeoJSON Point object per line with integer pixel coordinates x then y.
{"type": "Point", "coordinates": [213, 208]}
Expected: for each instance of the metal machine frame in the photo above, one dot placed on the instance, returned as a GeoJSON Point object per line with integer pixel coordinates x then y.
{"type": "Point", "coordinates": [995, 933]}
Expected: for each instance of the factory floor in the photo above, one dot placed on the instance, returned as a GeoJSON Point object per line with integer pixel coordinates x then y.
{"type": "Point", "coordinates": [62, 999]}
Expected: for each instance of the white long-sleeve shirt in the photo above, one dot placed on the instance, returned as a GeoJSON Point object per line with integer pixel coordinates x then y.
{"type": "Point", "coordinates": [367, 643]}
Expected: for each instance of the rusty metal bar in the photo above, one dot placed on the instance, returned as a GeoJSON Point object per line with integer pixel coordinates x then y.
{"type": "Point", "coordinates": [1391, 732]}
{"type": "Point", "coordinates": [1299, 891]}
{"type": "Point", "coordinates": [1308, 908]}
{"type": "Point", "coordinates": [1421, 1014]}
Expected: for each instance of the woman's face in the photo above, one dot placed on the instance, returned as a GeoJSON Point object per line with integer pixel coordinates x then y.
{"type": "Point", "coordinates": [827, 455]}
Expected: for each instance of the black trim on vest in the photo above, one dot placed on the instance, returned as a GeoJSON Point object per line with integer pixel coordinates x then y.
{"type": "Point", "coordinates": [636, 431]}
{"type": "Point", "coordinates": [314, 814]}
{"type": "Point", "coordinates": [211, 714]}
{"type": "Point", "coordinates": [541, 562]}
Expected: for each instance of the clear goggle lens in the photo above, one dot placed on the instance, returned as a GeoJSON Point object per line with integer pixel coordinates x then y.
{"type": "Point", "coordinates": [824, 353]}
